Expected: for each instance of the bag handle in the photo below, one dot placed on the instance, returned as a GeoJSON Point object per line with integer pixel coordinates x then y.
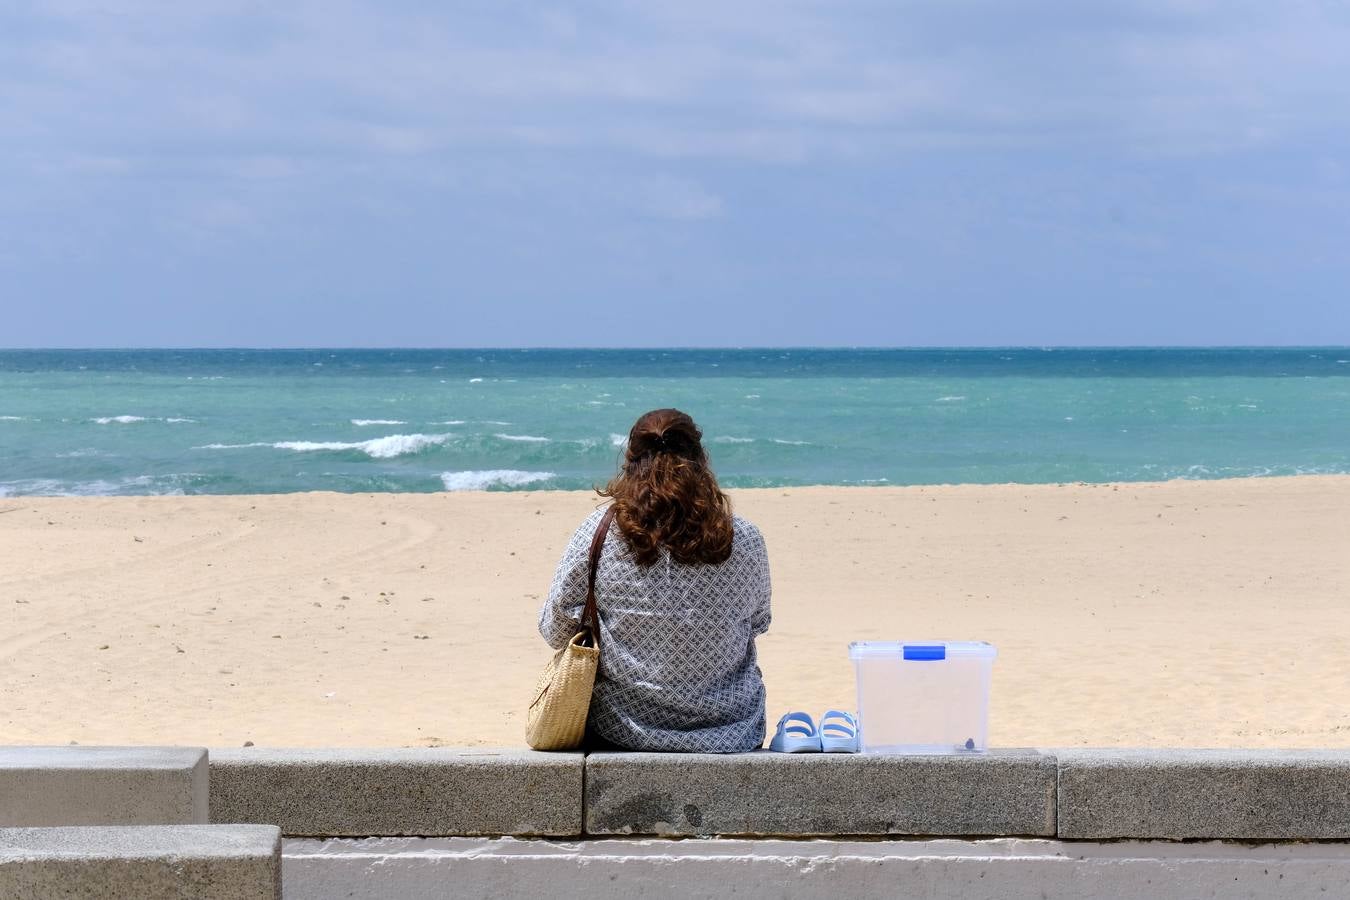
{"type": "Point", "coordinates": [589, 612]}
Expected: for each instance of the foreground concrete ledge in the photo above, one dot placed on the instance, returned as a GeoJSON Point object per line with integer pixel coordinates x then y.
{"type": "Point", "coordinates": [74, 785]}
{"type": "Point", "coordinates": [941, 869]}
{"type": "Point", "coordinates": [1004, 792]}
{"type": "Point", "coordinates": [211, 862]}
{"type": "Point", "coordinates": [440, 791]}
{"type": "Point", "coordinates": [1250, 795]}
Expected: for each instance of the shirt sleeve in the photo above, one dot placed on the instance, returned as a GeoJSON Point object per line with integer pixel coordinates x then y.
{"type": "Point", "coordinates": [560, 616]}
{"type": "Point", "coordinates": [760, 585]}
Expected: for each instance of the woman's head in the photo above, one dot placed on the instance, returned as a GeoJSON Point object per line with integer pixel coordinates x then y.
{"type": "Point", "coordinates": [665, 494]}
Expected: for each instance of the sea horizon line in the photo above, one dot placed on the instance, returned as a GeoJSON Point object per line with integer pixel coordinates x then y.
{"type": "Point", "coordinates": [677, 348]}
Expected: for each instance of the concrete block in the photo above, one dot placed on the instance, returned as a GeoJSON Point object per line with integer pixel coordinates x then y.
{"type": "Point", "coordinates": [1251, 795]}
{"type": "Point", "coordinates": [1004, 792]}
{"type": "Point", "coordinates": [73, 785]}
{"type": "Point", "coordinates": [154, 862]}
{"type": "Point", "coordinates": [440, 791]}
{"type": "Point", "coordinates": [632, 869]}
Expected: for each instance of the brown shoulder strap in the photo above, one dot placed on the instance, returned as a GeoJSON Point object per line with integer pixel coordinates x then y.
{"type": "Point", "coordinates": [589, 613]}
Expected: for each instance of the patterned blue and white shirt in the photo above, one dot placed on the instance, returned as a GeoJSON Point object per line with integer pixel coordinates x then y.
{"type": "Point", "coordinates": [678, 670]}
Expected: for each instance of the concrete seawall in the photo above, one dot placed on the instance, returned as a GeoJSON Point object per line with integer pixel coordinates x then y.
{"type": "Point", "coordinates": [931, 869]}
{"type": "Point", "coordinates": [1252, 795]}
{"type": "Point", "coordinates": [420, 823]}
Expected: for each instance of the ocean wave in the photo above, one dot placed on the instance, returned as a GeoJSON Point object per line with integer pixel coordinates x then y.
{"type": "Point", "coordinates": [1202, 472]}
{"type": "Point", "coordinates": [792, 443]}
{"type": "Point", "coordinates": [377, 448]}
{"type": "Point", "coordinates": [618, 440]}
{"type": "Point", "coordinates": [450, 422]}
{"type": "Point", "coordinates": [527, 438]}
{"type": "Point", "coordinates": [480, 480]}
{"type": "Point", "coordinates": [14, 418]}
{"type": "Point", "coordinates": [952, 399]}
{"type": "Point", "coordinates": [727, 439]}
{"type": "Point", "coordinates": [171, 484]}
{"type": "Point", "coordinates": [131, 420]}
{"type": "Point", "coordinates": [381, 422]}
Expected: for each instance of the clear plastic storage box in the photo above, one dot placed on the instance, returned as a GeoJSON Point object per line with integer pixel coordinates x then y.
{"type": "Point", "coordinates": [923, 696]}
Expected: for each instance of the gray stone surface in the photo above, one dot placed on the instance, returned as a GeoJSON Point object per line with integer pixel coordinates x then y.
{"type": "Point", "coordinates": [1004, 792]}
{"type": "Point", "coordinates": [915, 869]}
{"type": "Point", "coordinates": [73, 785]}
{"type": "Point", "coordinates": [174, 862]}
{"type": "Point", "coordinates": [1225, 794]}
{"type": "Point", "coordinates": [337, 792]}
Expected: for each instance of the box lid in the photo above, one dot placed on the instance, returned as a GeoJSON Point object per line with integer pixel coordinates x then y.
{"type": "Point", "coordinates": [921, 651]}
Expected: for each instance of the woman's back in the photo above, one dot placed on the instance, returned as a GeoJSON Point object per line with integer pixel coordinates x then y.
{"type": "Point", "coordinates": [678, 668]}
{"type": "Point", "coordinates": [682, 588]}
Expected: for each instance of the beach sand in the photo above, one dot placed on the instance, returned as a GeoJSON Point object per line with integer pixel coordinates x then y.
{"type": "Point", "coordinates": [1190, 614]}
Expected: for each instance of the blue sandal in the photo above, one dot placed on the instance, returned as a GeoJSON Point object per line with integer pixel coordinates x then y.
{"type": "Point", "coordinates": [838, 732]}
{"type": "Point", "coordinates": [796, 734]}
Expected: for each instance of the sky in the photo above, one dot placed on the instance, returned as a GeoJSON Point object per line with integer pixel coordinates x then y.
{"type": "Point", "coordinates": [698, 173]}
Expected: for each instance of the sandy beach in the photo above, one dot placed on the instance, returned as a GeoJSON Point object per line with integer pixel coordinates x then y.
{"type": "Point", "coordinates": [1185, 614]}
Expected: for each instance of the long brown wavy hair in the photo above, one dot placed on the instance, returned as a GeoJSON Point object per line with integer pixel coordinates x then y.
{"type": "Point", "coordinates": [665, 495]}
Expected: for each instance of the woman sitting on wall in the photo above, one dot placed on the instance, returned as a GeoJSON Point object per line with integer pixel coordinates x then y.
{"type": "Point", "coordinates": [682, 589]}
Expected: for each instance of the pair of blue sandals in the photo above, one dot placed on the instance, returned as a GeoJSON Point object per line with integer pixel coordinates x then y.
{"type": "Point", "coordinates": [797, 733]}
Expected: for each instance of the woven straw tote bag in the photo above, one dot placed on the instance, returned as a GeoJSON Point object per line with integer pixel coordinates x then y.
{"type": "Point", "coordinates": [562, 698]}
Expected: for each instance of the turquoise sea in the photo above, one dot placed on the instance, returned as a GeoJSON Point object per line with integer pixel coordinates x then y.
{"type": "Point", "coordinates": [259, 421]}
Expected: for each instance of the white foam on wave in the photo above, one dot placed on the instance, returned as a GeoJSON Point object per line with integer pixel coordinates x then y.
{"type": "Point", "coordinates": [527, 438]}
{"type": "Point", "coordinates": [727, 439]}
{"type": "Point", "coordinates": [364, 422]}
{"type": "Point", "coordinates": [13, 418]}
{"type": "Point", "coordinates": [791, 443]}
{"type": "Point", "coordinates": [952, 399]}
{"type": "Point", "coordinates": [376, 448]}
{"type": "Point", "coordinates": [160, 485]}
{"type": "Point", "coordinates": [475, 380]}
{"type": "Point", "coordinates": [482, 479]}
{"type": "Point", "coordinates": [618, 440]}
{"type": "Point", "coordinates": [131, 420]}
{"type": "Point", "coordinates": [450, 422]}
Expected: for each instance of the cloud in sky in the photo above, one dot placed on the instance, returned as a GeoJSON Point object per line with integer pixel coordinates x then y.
{"type": "Point", "coordinates": [496, 173]}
